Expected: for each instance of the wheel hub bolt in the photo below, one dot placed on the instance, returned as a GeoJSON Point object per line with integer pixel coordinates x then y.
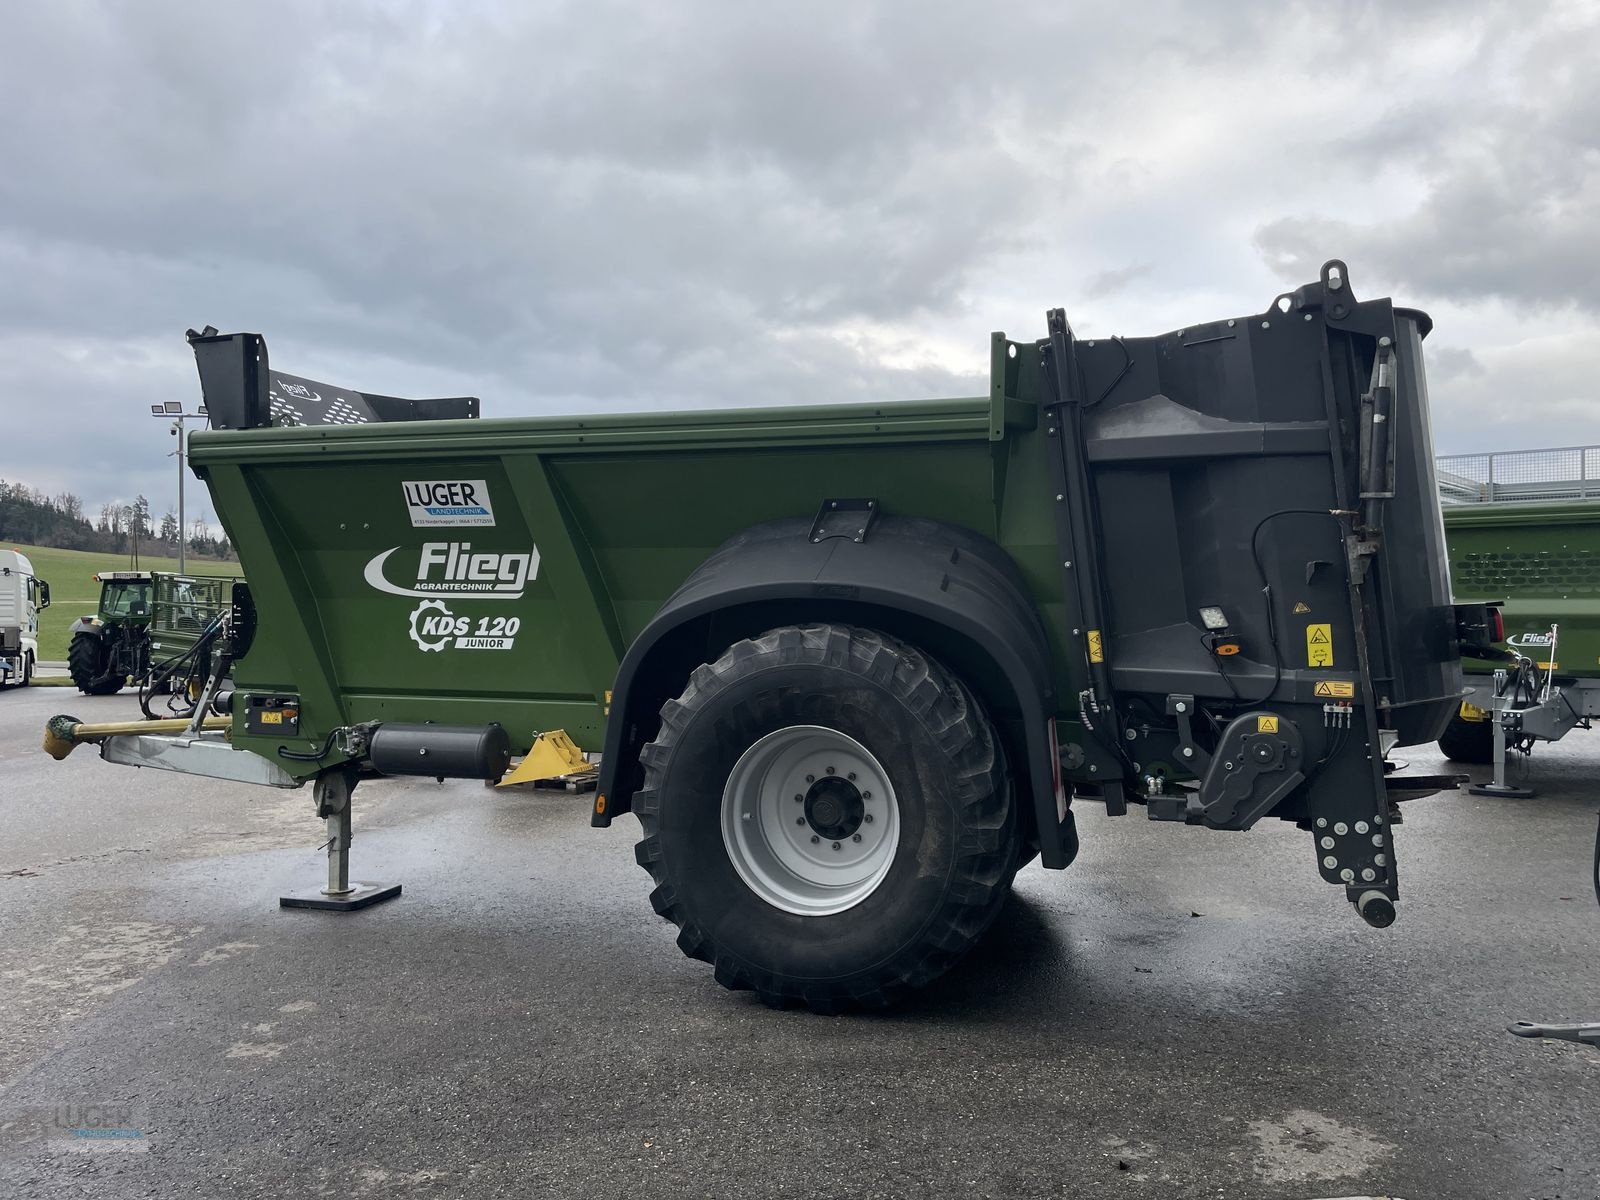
{"type": "Point", "coordinates": [836, 845]}
{"type": "Point", "coordinates": [799, 820]}
{"type": "Point", "coordinates": [799, 799]}
{"type": "Point", "coordinates": [851, 777]}
{"type": "Point", "coordinates": [811, 778]}
{"type": "Point", "coordinates": [855, 837]}
{"type": "Point", "coordinates": [867, 818]}
{"type": "Point", "coordinates": [866, 795]}
{"type": "Point", "coordinates": [815, 839]}
{"type": "Point", "coordinates": [830, 770]}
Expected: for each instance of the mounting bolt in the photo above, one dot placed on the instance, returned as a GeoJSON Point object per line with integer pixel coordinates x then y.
{"type": "Point", "coordinates": [866, 795]}
{"type": "Point", "coordinates": [1131, 734]}
{"type": "Point", "coordinates": [855, 837]}
{"type": "Point", "coordinates": [1188, 751]}
{"type": "Point", "coordinates": [836, 846]}
{"type": "Point", "coordinates": [1347, 875]}
{"type": "Point", "coordinates": [1377, 839]}
{"type": "Point", "coordinates": [1381, 859]}
{"type": "Point", "coordinates": [815, 839]}
{"type": "Point", "coordinates": [830, 770]}
{"type": "Point", "coordinates": [851, 777]}
{"type": "Point", "coordinates": [1327, 843]}
{"type": "Point", "coordinates": [1059, 496]}
{"type": "Point", "coordinates": [1068, 566]}
{"type": "Point", "coordinates": [1330, 862]}
{"type": "Point", "coordinates": [1341, 828]}
{"type": "Point", "coordinates": [1361, 826]}
{"type": "Point", "coordinates": [1322, 822]}
{"type": "Point", "coordinates": [1368, 874]}
{"type": "Point", "coordinates": [811, 778]}
{"type": "Point", "coordinates": [867, 818]}
{"type": "Point", "coordinates": [799, 820]}
{"type": "Point", "coordinates": [1180, 706]}
{"type": "Point", "coordinates": [799, 799]}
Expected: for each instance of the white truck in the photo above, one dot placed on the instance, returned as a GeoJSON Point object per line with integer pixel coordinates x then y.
{"type": "Point", "coordinates": [22, 597]}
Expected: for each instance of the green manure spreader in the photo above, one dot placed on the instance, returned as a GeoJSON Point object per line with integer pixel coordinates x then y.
{"type": "Point", "coordinates": [849, 666]}
{"type": "Point", "coordinates": [1523, 528]}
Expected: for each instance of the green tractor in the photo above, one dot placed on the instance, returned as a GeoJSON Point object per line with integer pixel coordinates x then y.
{"type": "Point", "coordinates": [145, 619]}
{"type": "Point", "coordinates": [114, 644]}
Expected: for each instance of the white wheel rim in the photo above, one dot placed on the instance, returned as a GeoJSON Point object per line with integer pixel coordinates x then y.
{"type": "Point", "coordinates": [826, 851]}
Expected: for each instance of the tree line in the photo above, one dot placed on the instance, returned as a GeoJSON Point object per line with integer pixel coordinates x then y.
{"type": "Point", "coordinates": [33, 516]}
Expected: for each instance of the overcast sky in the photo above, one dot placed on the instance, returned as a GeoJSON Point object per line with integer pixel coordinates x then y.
{"type": "Point", "coordinates": [611, 205]}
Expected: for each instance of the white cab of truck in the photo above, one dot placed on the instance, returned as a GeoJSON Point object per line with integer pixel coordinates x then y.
{"type": "Point", "coordinates": [22, 596]}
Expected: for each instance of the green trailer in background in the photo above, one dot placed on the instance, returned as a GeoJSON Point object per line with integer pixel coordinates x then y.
{"type": "Point", "coordinates": [1523, 527]}
{"type": "Point", "coordinates": [850, 665]}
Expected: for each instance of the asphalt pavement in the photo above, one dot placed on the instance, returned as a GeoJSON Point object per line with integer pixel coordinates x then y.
{"type": "Point", "coordinates": [1183, 1013]}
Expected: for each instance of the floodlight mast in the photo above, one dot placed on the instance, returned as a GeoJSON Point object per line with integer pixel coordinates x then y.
{"type": "Point", "coordinates": [174, 409]}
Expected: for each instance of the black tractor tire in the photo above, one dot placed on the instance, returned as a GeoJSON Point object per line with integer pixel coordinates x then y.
{"type": "Point", "coordinates": [27, 670]}
{"type": "Point", "coordinates": [86, 665]}
{"type": "Point", "coordinates": [1468, 741]}
{"type": "Point", "coordinates": [947, 874]}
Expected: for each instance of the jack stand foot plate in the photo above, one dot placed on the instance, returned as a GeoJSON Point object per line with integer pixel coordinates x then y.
{"type": "Point", "coordinates": [360, 895]}
{"type": "Point", "coordinates": [1507, 791]}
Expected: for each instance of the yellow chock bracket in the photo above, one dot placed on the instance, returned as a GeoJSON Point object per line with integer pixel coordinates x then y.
{"type": "Point", "coordinates": [62, 734]}
{"type": "Point", "coordinates": [553, 756]}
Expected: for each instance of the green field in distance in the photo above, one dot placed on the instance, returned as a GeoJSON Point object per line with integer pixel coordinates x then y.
{"type": "Point", "coordinates": [74, 593]}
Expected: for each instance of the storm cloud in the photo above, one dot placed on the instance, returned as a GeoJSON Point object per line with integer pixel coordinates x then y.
{"type": "Point", "coordinates": [628, 206]}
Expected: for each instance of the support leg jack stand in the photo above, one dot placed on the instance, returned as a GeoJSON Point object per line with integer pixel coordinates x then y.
{"type": "Point", "coordinates": [1499, 786]}
{"type": "Point", "coordinates": [332, 794]}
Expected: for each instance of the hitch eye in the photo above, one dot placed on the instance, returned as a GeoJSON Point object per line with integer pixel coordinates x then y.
{"type": "Point", "coordinates": [1213, 618]}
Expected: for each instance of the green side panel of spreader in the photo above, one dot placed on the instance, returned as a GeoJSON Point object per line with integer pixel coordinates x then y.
{"type": "Point", "coordinates": [1543, 560]}
{"type": "Point", "coordinates": [369, 608]}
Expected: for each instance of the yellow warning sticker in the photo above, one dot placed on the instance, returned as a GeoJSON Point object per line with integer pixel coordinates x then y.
{"type": "Point", "coordinates": [1335, 689]}
{"type": "Point", "coordinates": [272, 718]}
{"type": "Point", "coordinates": [1266, 724]}
{"type": "Point", "coordinates": [1300, 606]}
{"type": "Point", "coordinates": [1319, 645]}
{"type": "Point", "coordinates": [1097, 652]}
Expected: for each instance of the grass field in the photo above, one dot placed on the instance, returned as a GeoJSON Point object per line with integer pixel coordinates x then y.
{"type": "Point", "coordinates": [74, 594]}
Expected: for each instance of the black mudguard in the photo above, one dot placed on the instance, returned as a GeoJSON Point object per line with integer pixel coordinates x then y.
{"type": "Point", "coordinates": [947, 590]}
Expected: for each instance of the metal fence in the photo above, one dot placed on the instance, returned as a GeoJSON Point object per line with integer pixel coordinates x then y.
{"type": "Point", "coordinates": [1566, 473]}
